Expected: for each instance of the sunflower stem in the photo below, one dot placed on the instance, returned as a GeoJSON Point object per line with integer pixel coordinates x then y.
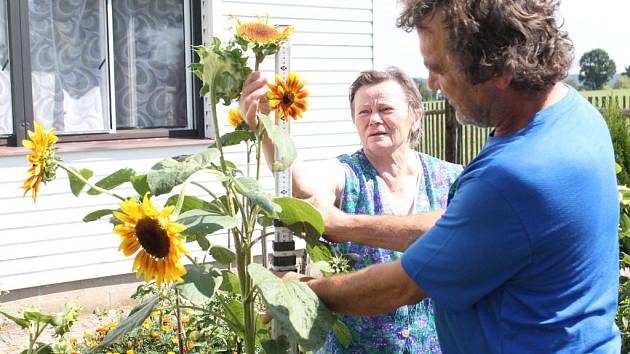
{"type": "Point", "coordinates": [178, 316]}
{"type": "Point", "coordinates": [82, 179]}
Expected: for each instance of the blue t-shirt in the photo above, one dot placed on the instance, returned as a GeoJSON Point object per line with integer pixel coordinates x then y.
{"type": "Point", "coordinates": [525, 258]}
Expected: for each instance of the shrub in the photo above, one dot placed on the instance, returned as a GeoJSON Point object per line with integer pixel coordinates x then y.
{"type": "Point", "coordinates": [619, 126]}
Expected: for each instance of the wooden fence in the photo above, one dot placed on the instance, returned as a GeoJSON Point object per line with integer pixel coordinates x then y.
{"type": "Point", "coordinates": [446, 139]}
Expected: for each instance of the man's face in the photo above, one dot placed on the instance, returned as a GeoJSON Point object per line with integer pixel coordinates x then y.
{"type": "Point", "coordinates": [471, 102]}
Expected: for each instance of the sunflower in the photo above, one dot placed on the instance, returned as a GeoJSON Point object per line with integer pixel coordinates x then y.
{"type": "Point", "coordinates": [42, 158]}
{"type": "Point", "coordinates": [288, 98]}
{"type": "Point", "coordinates": [146, 228]}
{"type": "Point", "coordinates": [235, 117]}
{"type": "Point", "coordinates": [261, 32]}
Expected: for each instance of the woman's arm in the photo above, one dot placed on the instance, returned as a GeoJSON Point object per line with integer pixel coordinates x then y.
{"type": "Point", "coordinates": [323, 180]}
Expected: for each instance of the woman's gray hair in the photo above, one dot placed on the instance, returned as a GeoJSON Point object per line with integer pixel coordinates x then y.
{"type": "Point", "coordinates": [409, 87]}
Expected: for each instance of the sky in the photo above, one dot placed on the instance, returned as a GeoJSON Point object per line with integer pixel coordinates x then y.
{"type": "Point", "coordinates": [600, 24]}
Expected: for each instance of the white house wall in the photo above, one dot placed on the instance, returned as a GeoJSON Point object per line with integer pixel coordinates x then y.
{"type": "Point", "coordinates": [46, 242]}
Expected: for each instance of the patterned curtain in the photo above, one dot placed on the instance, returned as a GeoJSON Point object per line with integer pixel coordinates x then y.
{"type": "Point", "coordinates": [6, 122]}
{"type": "Point", "coordinates": [68, 57]}
{"type": "Point", "coordinates": [150, 63]}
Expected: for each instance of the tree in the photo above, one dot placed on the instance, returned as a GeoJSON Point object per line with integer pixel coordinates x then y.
{"type": "Point", "coordinates": [425, 92]}
{"type": "Point", "coordinates": [627, 73]}
{"type": "Point", "coordinates": [623, 82]}
{"type": "Point", "coordinates": [596, 68]}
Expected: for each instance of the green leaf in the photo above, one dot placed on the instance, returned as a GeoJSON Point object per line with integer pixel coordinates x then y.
{"type": "Point", "coordinates": [37, 316]}
{"type": "Point", "coordinates": [236, 324]}
{"type": "Point", "coordinates": [283, 141]}
{"type": "Point", "coordinates": [169, 172]}
{"type": "Point", "coordinates": [236, 137]}
{"type": "Point", "coordinates": [319, 251]}
{"type": "Point", "coordinates": [342, 333]}
{"type": "Point", "coordinates": [76, 185]}
{"type": "Point", "coordinates": [190, 203]}
{"type": "Point", "coordinates": [222, 255]}
{"type": "Point", "coordinates": [114, 180]}
{"type": "Point", "coordinates": [137, 315]}
{"type": "Point", "coordinates": [203, 243]}
{"type": "Point", "coordinates": [95, 215]}
{"type": "Point", "coordinates": [276, 346]}
{"type": "Point", "coordinates": [230, 282]}
{"type": "Point", "coordinates": [140, 184]}
{"type": "Point", "coordinates": [296, 308]}
{"type": "Point", "coordinates": [201, 223]}
{"type": "Point", "coordinates": [200, 283]}
{"type": "Point", "coordinates": [250, 188]}
{"type": "Point", "coordinates": [301, 217]}
{"type": "Point", "coordinates": [20, 321]}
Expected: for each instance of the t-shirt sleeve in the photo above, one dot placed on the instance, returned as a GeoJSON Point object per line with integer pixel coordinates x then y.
{"type": "Point", "coordinates": [476, 246]}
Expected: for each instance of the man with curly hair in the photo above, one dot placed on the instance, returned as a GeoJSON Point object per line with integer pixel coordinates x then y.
{"type": "Point", "coordinates": [525, 257]}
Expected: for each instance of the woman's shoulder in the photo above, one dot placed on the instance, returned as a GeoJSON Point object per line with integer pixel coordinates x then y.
{"type": "Point", "coordinates": [437, 164]}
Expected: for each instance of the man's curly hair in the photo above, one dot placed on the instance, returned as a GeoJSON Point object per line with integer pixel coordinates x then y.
{"type": "Point", "coordinates": [489, 37]}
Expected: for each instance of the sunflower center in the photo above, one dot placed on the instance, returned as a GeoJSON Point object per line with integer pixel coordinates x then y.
{"type": "Point", "coordinates": [288, 98]}
{"type": "Point", "coordinates": [152, 237]}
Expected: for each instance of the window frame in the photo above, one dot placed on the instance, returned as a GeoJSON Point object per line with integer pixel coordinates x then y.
{"type": "Point", "coordinates": [21, 82]}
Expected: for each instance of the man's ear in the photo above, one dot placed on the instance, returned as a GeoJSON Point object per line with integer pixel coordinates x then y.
{"type": "Point", "coordinates": [504, 80]}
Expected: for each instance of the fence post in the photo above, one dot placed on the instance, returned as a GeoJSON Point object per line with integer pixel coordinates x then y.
{"type": "Point", "coordinates": [453, 136]}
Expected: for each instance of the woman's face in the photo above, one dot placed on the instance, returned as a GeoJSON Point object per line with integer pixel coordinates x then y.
{"type": "Point", "coordinates": [382, 117]}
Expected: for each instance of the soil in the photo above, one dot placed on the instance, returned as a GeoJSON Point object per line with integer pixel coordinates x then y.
{"type": "Point", "coordinates": [14, 339]}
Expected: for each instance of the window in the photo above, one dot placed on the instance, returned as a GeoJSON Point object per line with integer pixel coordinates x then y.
{"type": "Point", "coordinates": [103, 69]}
{"type": "Point", "coordinates": [6, 123]}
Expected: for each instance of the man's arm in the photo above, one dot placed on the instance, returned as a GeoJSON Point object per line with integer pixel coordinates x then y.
{"type": "Point", "coordinates": [370, 291]}
{"type": "Point", "coordinates": [384, 231]}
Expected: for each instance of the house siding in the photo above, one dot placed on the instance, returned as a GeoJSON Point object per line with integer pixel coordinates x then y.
{"type": "Point", "coordinates": [48, 243]}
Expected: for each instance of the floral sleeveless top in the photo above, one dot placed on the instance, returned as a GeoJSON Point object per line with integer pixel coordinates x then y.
{"type": "Point", "coordinates": [408, 329]}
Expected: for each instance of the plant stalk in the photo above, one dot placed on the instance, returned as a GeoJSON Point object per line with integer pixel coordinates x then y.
{"type": "Point", "coordinates": [80, 178]}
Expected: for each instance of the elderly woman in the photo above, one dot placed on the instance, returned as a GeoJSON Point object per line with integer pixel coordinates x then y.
{"type": "Point", "coordinates": [385, 176]}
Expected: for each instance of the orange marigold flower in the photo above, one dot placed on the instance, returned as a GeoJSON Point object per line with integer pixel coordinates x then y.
{"type": "Point", "coordinates": [42, 158]}
{"type": "Point", "coordinates": [288, 98]}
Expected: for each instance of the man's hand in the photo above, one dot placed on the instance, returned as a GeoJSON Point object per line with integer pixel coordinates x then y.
{"type": "Point", "coordinates": [333, 219]}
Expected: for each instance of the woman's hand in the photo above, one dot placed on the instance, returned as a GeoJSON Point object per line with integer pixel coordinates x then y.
{"type": "Point", "coordinates": [253, 98]}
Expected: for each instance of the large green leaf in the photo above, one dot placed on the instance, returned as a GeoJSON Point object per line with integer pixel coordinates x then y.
{"type": "Point", "coordinates": [114, 180]}
{"type": "Point", "coordinates": [236, 316]}
{"type": "Point", "coordinates": [169, 172]}
{"type": "Point", "coordinates": [342, 333]}
{"type": "Point", "coordinates": [97, 214]}
{"type": "Point", "coordinates": [301, 217]}
{"type": "Point", "coordinates": [76, 185]}
{"type": "Point", "coordinates": [135, 319]}
{"type": "Point", "coordinates": [200, 283]}
{"type": "Point", "coordinates": [295, 307]}
{"type": "Point", "coordinates": [286, 148]}
{"type": "Point", "coordinates": [19, 320]}
{"type": "Point", "coordinates": [230, 282]}
{"type": "Point", "coordinates": [140, 184]}
{"type": "Point", "coordinates": [190, 203]}
{"type": "Point", "coordinates": [236, 137]}
{"type": "Point", "coordinates": [222, 254]}
{"type": "Point", "coordinates": [201, 223]}
{"type": "Point", "coordinates": [250, 188]}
